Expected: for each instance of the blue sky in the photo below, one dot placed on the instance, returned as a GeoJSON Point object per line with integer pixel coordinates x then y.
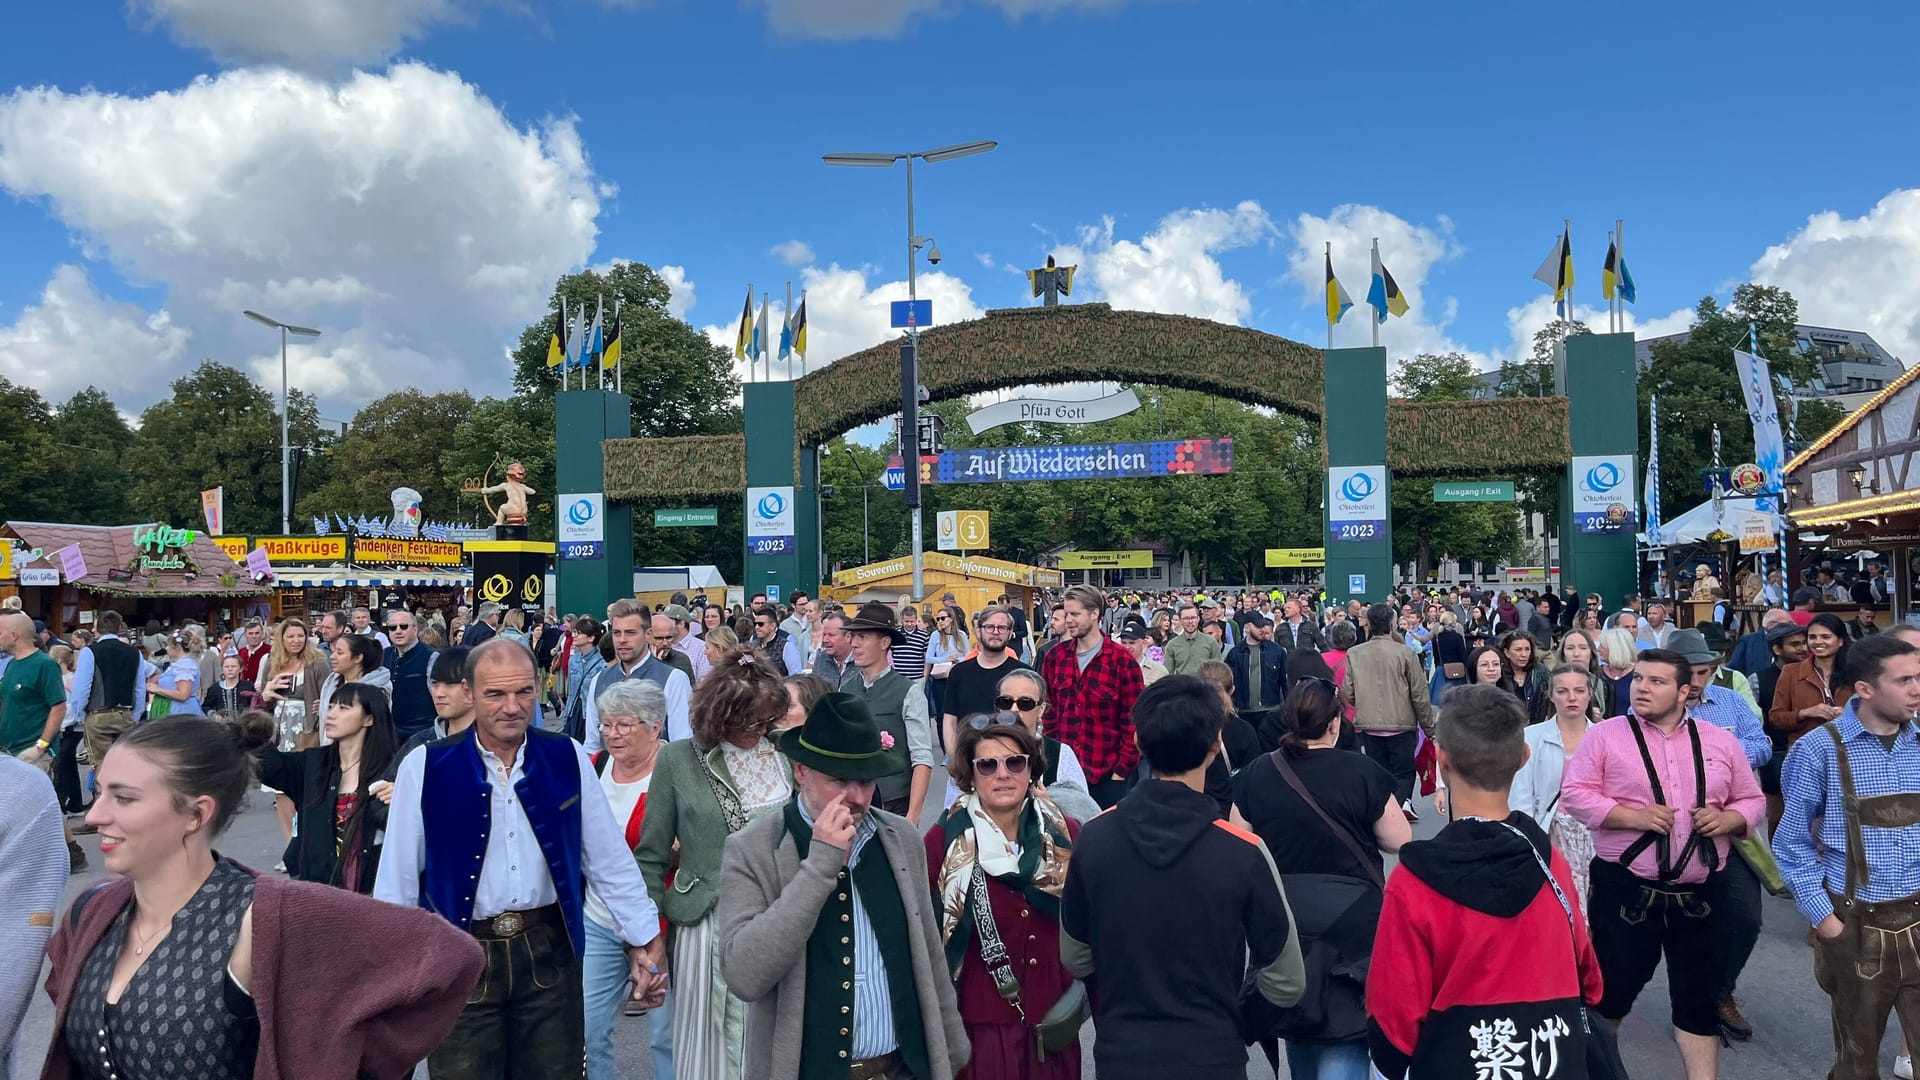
{"type": "Point", "coordinates": [410, 175]}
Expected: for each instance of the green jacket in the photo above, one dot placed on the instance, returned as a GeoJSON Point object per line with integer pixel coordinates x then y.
{"type": "Point", "coordinates": [1183, 655]}
{"type": "Point", "coordinates": [681, 806]}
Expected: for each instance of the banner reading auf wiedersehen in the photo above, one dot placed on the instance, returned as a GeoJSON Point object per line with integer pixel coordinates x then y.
{"type": "Point", "coordinates": [1105, 461]}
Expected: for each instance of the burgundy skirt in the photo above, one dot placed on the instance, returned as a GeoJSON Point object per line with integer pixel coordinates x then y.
{"type": "Point", "coordinates": [1006, 1052]}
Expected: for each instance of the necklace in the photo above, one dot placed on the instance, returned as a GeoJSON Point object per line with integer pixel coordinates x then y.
{"type": "Point", "coordinates": [140, 947]}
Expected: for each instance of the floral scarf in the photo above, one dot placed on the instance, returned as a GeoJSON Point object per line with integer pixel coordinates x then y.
{"type": "Point", "coordinates": [1036, 866]}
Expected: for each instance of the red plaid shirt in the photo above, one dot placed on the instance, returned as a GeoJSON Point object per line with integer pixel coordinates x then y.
{"type": "Point", "coordinates": [1092, 710]}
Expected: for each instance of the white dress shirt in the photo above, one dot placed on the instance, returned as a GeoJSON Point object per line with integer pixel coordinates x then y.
{"type": "Point", "coordinates": [679, 695]}
{"type": "Point", "coordinates": [514, 875]}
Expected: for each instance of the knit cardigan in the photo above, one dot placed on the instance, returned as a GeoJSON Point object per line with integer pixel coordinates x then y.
{"type": "Point", "coordinates": [345, 985]}
{"type": "Point", "coordinates": [682, 809]}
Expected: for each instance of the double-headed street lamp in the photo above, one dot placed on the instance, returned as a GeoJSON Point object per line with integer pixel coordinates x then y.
{"type": "Point", "coordinates": [286, 454]}
{"type": "Point", "coordinates": [910, 350]}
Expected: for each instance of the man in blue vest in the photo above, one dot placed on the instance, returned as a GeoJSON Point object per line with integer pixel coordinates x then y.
{"type": "Point", "coordinates": [500, 829]}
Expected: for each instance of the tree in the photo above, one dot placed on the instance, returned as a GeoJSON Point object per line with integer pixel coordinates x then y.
{"type": "Point", "coordinates": [1436, 377]}
{"type": "Point", "coordinates": [91, 436]}
{"type": "Point", "coordinates": [218, 429]}
{"type": "Point", "coordinates": [680, 383]}
{"type": "Point", "coordinates": [395, 441]}
{"type": "Point", "coordinates": [501, 431]}
{"type": "Point", "coordinates": [1423, 530]}
{"type": "Point", "coordinates": [1533, 377]}
{"type": "Point", "coordinates": [29, 488]}
{"type": "Point", "coordinates": [863, 521]}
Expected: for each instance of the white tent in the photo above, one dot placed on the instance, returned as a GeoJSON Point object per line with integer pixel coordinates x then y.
{"type": "Point", "coordinates": [1694, 526]}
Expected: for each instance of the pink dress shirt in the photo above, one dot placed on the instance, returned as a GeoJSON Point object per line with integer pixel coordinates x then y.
{"type": "Point", "coordinates": [1607, 772]}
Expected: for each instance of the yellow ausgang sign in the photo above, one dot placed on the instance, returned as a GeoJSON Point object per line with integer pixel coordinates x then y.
{"type": "Point", "coordinates": [1297, 556]}
{"type": "Point", "coordinates": [1106, 560]}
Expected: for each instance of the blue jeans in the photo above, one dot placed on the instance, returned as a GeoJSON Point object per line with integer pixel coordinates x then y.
{"type": "Point", "coordinates": [604, 974]}
{"type": "Point", "coordinates": [1327, 1061]}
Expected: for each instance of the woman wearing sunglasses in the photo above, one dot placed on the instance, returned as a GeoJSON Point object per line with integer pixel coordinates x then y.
{"type": "Point", "coordinates": [1007, 838]}
{"type": "Point", "coordinates": [1021, 697]}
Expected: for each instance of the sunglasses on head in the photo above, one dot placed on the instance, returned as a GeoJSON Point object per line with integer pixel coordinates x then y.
{"type": "Point", "coordinates": [1024, 704]}
{"type": "Point", "coordinates": [982, 721]}
{"type": "Point", "coordinates": [990, 766]}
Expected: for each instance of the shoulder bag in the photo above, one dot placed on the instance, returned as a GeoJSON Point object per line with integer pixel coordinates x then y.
{"type": "Point", "coordinates": [1346, 839]}
{"type": "Point", "coordinates": [1603, 1046]}
{"type": "Point", "coordinates": [1060, 1027]}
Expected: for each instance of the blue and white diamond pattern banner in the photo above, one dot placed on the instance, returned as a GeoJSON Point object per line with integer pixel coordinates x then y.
{"type": "Point", "coordinates": [1356, 502]}
{"type": "Point", "coordinates": [770, 521]}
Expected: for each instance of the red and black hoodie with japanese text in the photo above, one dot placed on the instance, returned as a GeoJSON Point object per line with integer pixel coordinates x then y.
{"type": "Point", "coordinates": [1476, 971]}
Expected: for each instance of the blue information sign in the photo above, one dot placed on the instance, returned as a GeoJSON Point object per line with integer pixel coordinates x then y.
{"type": "Point", "coordinates": [912, 313]}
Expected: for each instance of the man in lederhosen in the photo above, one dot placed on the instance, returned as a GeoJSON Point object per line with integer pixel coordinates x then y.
{"type": "Point", "coordinates": [826, 920]}
{"type": "Point", "coordinates": [1664, 795]}
{"type": "Point", "coordinates": [898, 707]}
{"type": "Point", "coordinates": [1861, 771]}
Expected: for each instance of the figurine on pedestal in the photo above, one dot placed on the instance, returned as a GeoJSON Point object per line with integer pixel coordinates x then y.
{"type": "Point", "coordinates": [510, 519]}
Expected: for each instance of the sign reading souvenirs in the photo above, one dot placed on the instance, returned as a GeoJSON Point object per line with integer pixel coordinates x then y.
{"type": "Point", "coordinates": [1106, 461]}
{"type": "Point", "coordinates": [161, 547]}
{"type": "Point", "coordinates": [1357, 502]}
{"type": "Point", "coordinates": [968, 566]}
{"type": "Point", "coordinates": [1051, 411]}
{"type": "Point", "coordinates": [1603, 496]}
{"type": "Point", "coordinates": [1106, 560]}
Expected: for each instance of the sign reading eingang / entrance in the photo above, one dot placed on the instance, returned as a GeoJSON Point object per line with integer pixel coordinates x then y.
{"type": "Point", "coordinates": [1454, 491]}
{"type": "Point", "coordinates": [770, 521]}
{"type": "Point", "coordinates": [1106, 560]}
{"type": "Point", "coordinates": [1106, 461]}
{"type": "Point", "coordinates": [1356, 503]}
{"type": "Point", "coordinates": [1603, 493]}
{"type": "Point", "coordinates": [686, 517]}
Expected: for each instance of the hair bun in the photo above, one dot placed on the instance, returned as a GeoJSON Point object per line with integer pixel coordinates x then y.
{"type": "Point", "coordinates": [252, 730]}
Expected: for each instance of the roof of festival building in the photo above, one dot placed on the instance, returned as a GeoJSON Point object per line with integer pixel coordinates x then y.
{"type": "Point", "coordinates": [111, 547]}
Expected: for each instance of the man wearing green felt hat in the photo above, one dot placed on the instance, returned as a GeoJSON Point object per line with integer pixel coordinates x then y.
{"type": "Point", "coordinates": [826, 919]}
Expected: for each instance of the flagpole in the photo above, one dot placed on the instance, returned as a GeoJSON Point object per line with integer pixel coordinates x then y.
{"type": "Point", "coordinates": [763, 331]}
{"type": "Point", "coordinates": [1619, 270]}
{"type": "Point", "coordinates": [1323, 298]}
{"type": "Point", "coordinates": [803, 354]}
{"type": "Point", "coordinates": [788, 327]}
{"type": "Point", "coordinates": [1566, 257]}
{"type": "Point", "coordinates": [617, 380]}
{"type": "Point", "coordinates": [1377, 313]}
{"type": "Point", "coordinates": [1613, 320]}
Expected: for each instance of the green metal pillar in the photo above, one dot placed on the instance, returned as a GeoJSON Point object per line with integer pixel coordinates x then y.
{"type": "Point", "coordinates": [782, 512]}
{"type": "Point", "coordinates": [589, 580]}
{"type": "Point", "coordinates": [1599, 491]}
{"type": "Point", "coordinates": [1358, 492]}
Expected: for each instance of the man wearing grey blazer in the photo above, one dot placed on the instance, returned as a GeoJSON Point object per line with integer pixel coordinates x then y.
{"type": "Point", "coordinates": [826, 920]}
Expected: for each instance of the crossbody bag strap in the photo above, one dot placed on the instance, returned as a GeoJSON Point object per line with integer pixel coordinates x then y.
{"type": "Point", "coordinates": [992, 950]}
{"type": "Point", "coordinates": [1565, 906]}
{"type": "Point", "coordinates": [1279, 758]}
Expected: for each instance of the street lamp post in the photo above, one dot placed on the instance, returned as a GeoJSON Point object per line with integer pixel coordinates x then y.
{"type": "Point", "coordinates": [910, 349]}
{"type": "Point", "coordinates": [286, 453]}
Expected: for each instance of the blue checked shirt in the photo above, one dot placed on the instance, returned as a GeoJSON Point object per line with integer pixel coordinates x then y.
{"type": "Point", "coordinates": [1810, 787]}
{"type": "Point", "coordinates": [873, 1034]}
{"type": "Point", "coordinates": [1727, 710]}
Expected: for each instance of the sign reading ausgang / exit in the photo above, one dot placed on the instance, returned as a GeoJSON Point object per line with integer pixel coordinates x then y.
{"type": "Point", "coordinates": [686, 517]}
{"type": "Point", "coordinates": [1472, 491]}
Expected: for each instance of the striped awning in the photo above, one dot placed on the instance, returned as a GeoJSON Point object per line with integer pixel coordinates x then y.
{"type": "Point", "coordinates": [354, 578]}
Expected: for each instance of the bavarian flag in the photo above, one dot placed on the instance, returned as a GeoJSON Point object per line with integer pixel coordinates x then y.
{"type": "Point", "coordinates": [798, 324]}
{"type": "Point", "coordinates": [557, 344]}
{"type": "Point", "coordinates": [1556, 272]}
{"type": "Point", "coordinates": [1615, 278]}
{"type": "Point", "coordinates": [1384, 293]}
{"type": "Point", "coordinates": [610, 355]}
{"type": "Point", "coordinates": [1337, 299]}
{"type": "Point", "coordinates": [743, 341]}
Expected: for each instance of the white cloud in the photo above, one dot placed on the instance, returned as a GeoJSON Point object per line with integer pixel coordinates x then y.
{"type": "Point", "coordinates": [74, 336]}
{"type": "Point", "coordinates": [298, 33]}
{"type": "Point", "coordinates": [1174, 268]}
{"type": "Point", "coordinates": [1533, 316]}
{"type": "Point", "coordinates": [845, 314]}
{"type": "Point", "coordinates": [680, 300]}
{"type": "Point", "coordinates": [845, 20]}
{"type": "Point", "coordinates": [401, 213]}
{"type": "Point", "coordinates": [793, 253]}
{"type": "Point", "coordinates": [1856, 273]}
{"type": "Point", "coordinates": [1410, 253]}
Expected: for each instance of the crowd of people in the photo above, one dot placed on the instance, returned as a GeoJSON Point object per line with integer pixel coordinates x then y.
{"type": "Point", "coordinates": [893, 840]}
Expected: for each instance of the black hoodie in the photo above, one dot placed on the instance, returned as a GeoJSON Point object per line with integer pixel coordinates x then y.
{"type": "Point", "coordinates": [1165, 907]}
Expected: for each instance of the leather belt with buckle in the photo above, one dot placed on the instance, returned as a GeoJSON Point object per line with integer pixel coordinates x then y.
{"type": "Point", "coordinates": [876, 1068]}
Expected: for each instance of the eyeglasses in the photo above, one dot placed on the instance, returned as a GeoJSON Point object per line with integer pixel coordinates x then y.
{"type": "Point", "coordinates": [392, 626]}
{"type": "Point", "coordinates": [981, 721]}
{"type": "Point", "coordinates": [998, 628]}
{"type": "Point", "coordinates": [990, 766]}
{"type": "Point", "coordinates": [1024, 704]}
{"type": "Point", "coordinates": [620, 727]}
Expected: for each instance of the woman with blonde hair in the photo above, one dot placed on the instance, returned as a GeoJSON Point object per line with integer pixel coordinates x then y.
{"type": "Point", "coordinates": [289, 688]}
{"type": "Point", "coordinates": [703, 790]}
{"type": "Point", "coordinates": [720, 640]}
{"type": "Point", "coordinates": [1578, 648]}
{"type": "Point", "coordinates": [1618, 650]}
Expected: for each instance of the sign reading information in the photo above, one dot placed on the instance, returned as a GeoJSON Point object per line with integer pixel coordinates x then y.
{"type": "Point", "coordinates": [1603, 496]}
{"type": "Point", "coordinates": [1357, 502]}
{"type": "Point", "coordinates": [963, 530]}
{"type": "Point", "coordinates": [1106, 560]}
{"type": "Point", "coordinates": [1108, 461]}
{"type": "Point", "coordinates": [1052, 411]}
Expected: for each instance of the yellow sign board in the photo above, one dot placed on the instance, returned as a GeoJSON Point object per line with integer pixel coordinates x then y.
{"type": "Point", "coordinates": [964, 530]}
{"type": "Point", "coordinates": [405, 552]}
{"type": "Point", "coordinates": [1297, 556]}
{"type": "Point", "coordinates": [236, 547]}
{"type": "Point", "coordinates": [6, 560]}
{"type": "Point", "coordinates": [966, 566]}
{"type": "Point", "coordinates": [303, 549]}
{"type": "Point", "coordinates": [1106, 560]}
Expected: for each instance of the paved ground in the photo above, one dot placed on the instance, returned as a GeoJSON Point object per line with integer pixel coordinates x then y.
{"type": "Point", "coordinates": [1789, 1011]}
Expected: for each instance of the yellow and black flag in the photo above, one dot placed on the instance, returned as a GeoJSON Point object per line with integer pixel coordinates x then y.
{"type": "Point", "coordinates": [610, 353]}
{"type": "Point", "coordinates": [1556, 272]}
{"type": "Point", "coordinates": [557, 344]}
